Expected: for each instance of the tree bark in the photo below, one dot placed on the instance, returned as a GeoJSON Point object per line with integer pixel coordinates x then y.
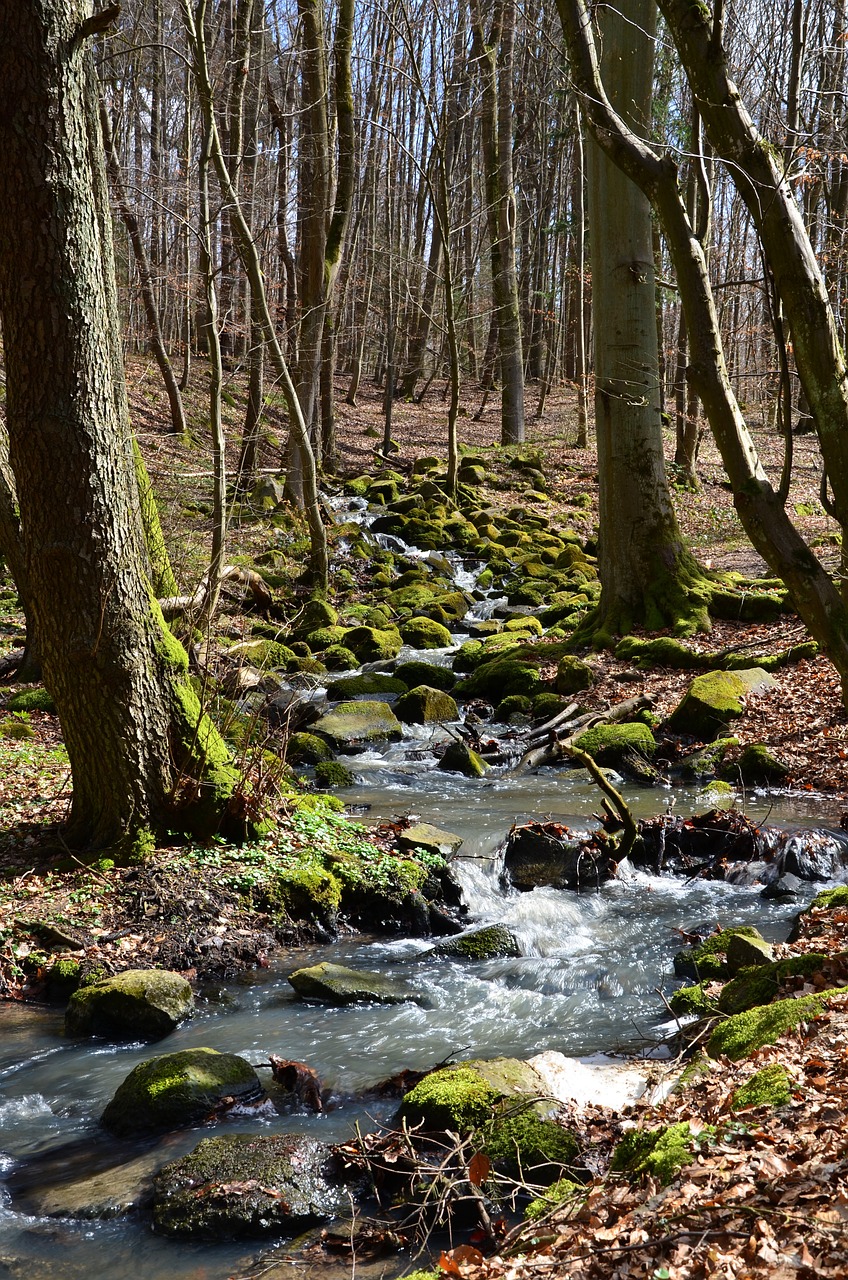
{"type": "Point", "coordinates": [143, 756]}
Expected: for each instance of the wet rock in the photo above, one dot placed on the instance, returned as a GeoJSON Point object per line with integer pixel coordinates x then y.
{"type": "Point", "coordinates": [109, 1193]}
{"type": "Point", "coordinates": [246, 1185]}
{"type": "Point", "coordinates": [140, 1004]}
{"type": "Point", "coordinates": [811, 854]}
{"type": "Point", "coordinates": [785, 889]}
{"type": "Point", "coordinates": [540, 854]}
{"type": "Point", "coordinates": [492, 942]}
{"type": "Point", "coordinates": [424, 705]}
{"type": "Point", "coordinates": [422, 835]}
{"type": "Point", "coordinates": [335, 984]}
{"type": "Point", "coordinates": [459, 758]}
{"type": "Point", "coordinates": [180, 1089]}
{"type": "Point", "coordinates": [354, 724]}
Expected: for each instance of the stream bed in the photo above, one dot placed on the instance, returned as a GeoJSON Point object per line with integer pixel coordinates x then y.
{"type": "Point", "coordinates": [587, 983]}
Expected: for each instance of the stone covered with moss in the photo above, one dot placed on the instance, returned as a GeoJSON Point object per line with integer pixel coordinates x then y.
{"type": "Point", "coordinates": [660, 1153]}
{"type": "Point", "coordinates": [30, 700]}
{"type": "Point", "coordinates": [307, 748]}
{"type": "Point", "coordinates": [425, 633]}
{"type": "Point", "coordinates": [693, 1000]}
{"type": "Point", "coordinates": [139, 1004]}
{"type": "Point", "coordinates": [370, 644]}
{"type": "Point", "coordinates": [367, 684]}
{"type": "Point", "coordinates": [424, 705]}
{"type": "Point", "coordinates": [429, 673]}
{"type": "Point", "coordinates": [768, 1087]}
{"type": "Point", "coordinates": [525, 1145]}
{"type": "Point", "coordinates": [354, 724]}
{"type": "Point", "coordinates": [248, 1186]}
{"type": "Point", "coordinates": [331, 774]}
{"type": "Point", "coordinates": [739, 1036]}
{"type": "Point", "coordinates": [462, 1097]}
{"type": "Point", "coordinates": [460, 758]}
{"type": "Point", "coordinates": [336, 984]}
{"type": "Point", "coordinates": [707, 960]}
{"type": "Point", "coordinates": [423, 835]}
{"type": "Point", "coordinates": [758, 765]}
{"type": "Point", "coordinates": [710, 704]}
{"type": "Point", "coordinates": [610, 743]}
{"type": "Point", "coordinates": [175, 1090]}
{"type": "Point", "coordinates": [759, 985]}
{"type": "Point", "coordinates": [573, 674]}
{"type": "Point", "coordinates": [491, 942]}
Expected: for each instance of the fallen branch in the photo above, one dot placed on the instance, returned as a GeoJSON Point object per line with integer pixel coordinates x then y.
{"type": "Point", "coordinates": [174, 606]}
{"type": "Point", "coordinates": [614, 804]}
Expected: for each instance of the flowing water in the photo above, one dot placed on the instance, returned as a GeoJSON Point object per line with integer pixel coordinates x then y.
{"type": "Point", "coordinates": [587, 982]}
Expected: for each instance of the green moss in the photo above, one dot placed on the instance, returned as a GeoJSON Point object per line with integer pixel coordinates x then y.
{"type": "Point", "coordinates": [305, 891]}
{"type": "Point", "coordinates": [691, 1000]}
{"type": "Point", "coordinates": [455, 1098]}
{"type": "Point", "coordinates": [424, 633]}
{"type": "Point", "coordinates": [515, 704]}
{"type": "Point", "coordinates": [658, 1152]}
{"type": "Point", "coordinates": [759, 985]}
{"type": "Point", "coordinates": [607, 743]}
{"type": "Point", "coordinates": [339, 658]}
{"type": "Point", "coordinates": [371, 644]}
{"type": "Point", "coordinates": [743, 1033]}
{"type": "Point", "coordinates": [757, 764]}
{"type": "Point", "coordinates": [307, 748]}
{"type": "Point", "coordinates": [411, 674]}
{"type": "Point", "coordinates": [769, 1087]}
{"type": "Point", "coordinates": [424, 705]}
{"type": "Point", "coordinates": [573, 674]}
{"type": "Point", "coordinates": [706, 961]}
{"type": "Point", "coordinates": [370, 682]}
{"type": "Point", "coordinates": [830, 899]}
{"type": "Point", "coordinates": [557, 1195]}
{"type": "Point", "coordinates": [329, 773]}
{"type": "Point", "coordinates": [664, 651]}
{"type": "Point", "coordinates": [525, 1145]}
{"type": "Point", "coordinates": [31, 700]}
{"type": "Point", "coordinates": [712, 701]}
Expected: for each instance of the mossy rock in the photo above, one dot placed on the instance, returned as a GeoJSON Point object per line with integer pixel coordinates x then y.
{"type": "Point", "coordinates": [546, 705]}
{"type": "Point", "coordinates": [768, 1087]}
{"type": "Point", "coordinates": [30, 700]}
{"type": "Point", "coordinates": [316, 613]}
{"type": "Point", "coordinates": [523, 624]}
{"type": "Point", "coordinates": [707, 960]}
{"type": "Point", "coordinates": [660, 1153]}
{"type": "Point", "coordinates": [248, 1186]}
{"type": "Point", "coordinates": [351, 724]}
{"type": "Point", "coordinates": [303, 891]}
{"type": "Point", "coordinates": [424, 633]}
{"type": "Point", "coordinates": [522, 1144]}
{"type": "Point", "coordinates": [744, 1033]}
{"type": "Point", "coordinates": [687, 1001]}
{"type": "Point", "coordinates": [747, 951]}
{"type": "Point", "coordinates": [747, 606]}
{"type": "Point", "coordinates": [415, 673]}
{"type": "Point", "coordinates": [415, 596]}
{"type": "Point", "coordinates": [324, 637]}
{"type": "Point", "coordinates": [663, 651]}
{"type": "Point", "coordinates": [459, 758]}
{"type": "Point", "coordinates": [307, 748]}
{"type": "Point", "coordinates": [331, 775]}
{"type": "Point", "coordinates": [366, 685]}
{"type": "Point", "coordinates": [561, 1193]}
{"type": "Point", "coordinates": [705, 762]}
{"type": "Point", "coordinates": [712, 702]}
{"type": "Point", "coordinates": [491, 942]}
{"type": "Point", "coordinates": [424, 705]}
{"type": "Point", "coordinates": [517, 704]}
{"type": "Point", "coordinates": [138, 1004]}
{"type": "Point", "coordinates": [371, 644]}
{"type": "Point", "coordinates": [760, 984]}
{"type": "Point", "coordinates": [337, 657]}
{"type": "Point", "coordinates": [452, 605]}
{"type": "Point", "coordinates": [176, 1090]}
{"type": "Point", "coordinates": [573, 674]}
{"type": "Point", "coordinates": [757, 765]}
{"type": "Point", "coordinates": [306, 666]}
{"type": "Point", "coordinates": [337, 985]}
{"type": "Point", "coordinates": [461, 1097]}
{"type": "Point", "coordinates": [499, 678]}
{"type": "Point", "coordinates": [610, 743]}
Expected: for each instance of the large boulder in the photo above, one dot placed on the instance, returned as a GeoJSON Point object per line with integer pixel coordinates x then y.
{"type": "Point", "coordinates": [355, 724]}
{"type": "Point", "coordinates": [371, 644]}
{"type": "Point", "coordinates": [249, 1185]}
{"type": "Point", "coordinates": [425, 633]}
{"type": "Point", "coordinates": [424, 705]}
{"type": "Point", "coordinates": [420, 672]}
{"type": "Point", "coordinates": [545, 854]}
{"type": "Point", "coordinates": [715, 699]}
{"type": "Point", "coordinates": [180, 1089]}
{"type": "Point", "coordinates": [140, 1004]}
{"type": "Point", "coordinates": [335, 984]}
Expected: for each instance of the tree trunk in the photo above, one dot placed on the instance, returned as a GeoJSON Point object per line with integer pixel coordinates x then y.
{"type": "Point", "coordinates": [644, 567]}
{"type": "Point", "coordinates": [143, 756]}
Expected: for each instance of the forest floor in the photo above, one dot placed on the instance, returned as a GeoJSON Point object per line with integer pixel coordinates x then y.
{"type": "Point", "coordinates": [768, 1196]}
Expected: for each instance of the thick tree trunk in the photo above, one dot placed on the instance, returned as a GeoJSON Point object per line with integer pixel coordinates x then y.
{"type": "Point", "coordinates": [143, 756]}
{"type": "Point", "coordinates": [644, 567]}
